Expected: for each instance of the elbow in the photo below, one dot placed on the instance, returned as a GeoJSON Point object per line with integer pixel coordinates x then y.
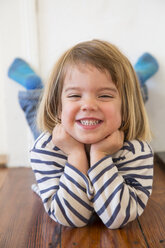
{"type": "Point", "coordinates": [121, 219]}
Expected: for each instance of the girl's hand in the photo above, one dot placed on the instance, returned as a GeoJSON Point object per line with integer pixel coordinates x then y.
{"type": "Point", "coordinates": [64, 141]}
{"type": "Point", "coordinates": [74, 149]}
{"type": "Point", "coordinates": [107, 146]}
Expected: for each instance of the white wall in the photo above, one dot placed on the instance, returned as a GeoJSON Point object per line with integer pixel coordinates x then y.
{"type": "Point", "coordinates": [17, 39]}
{"type": "Point", "coordinates": [134, 26]}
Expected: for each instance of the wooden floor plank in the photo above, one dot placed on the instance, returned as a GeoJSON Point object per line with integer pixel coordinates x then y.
{"type": "Point", "coordinates": [97, 235]}
{"type": "Point", "coordinates": [24, 223]}
{"type": "Point", "coordinates": [153, 219]}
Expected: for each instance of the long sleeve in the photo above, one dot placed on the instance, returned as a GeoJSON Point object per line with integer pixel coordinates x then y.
{"type": "Point", "coordinates": [117, 187]}
{"type": "Point", "coordinates": [122, 184]}
{"type": "Point", "coordinates": [64, 190]}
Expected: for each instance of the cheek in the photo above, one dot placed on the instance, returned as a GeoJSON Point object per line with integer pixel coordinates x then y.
{"type": "Point", "coordinates": [113, 114]}
{"type": "Point", "coordinates": [68, 114]}
{"type": "Point", "coordinates": [64, 115]}
{"type": "Point", "coordinates": [64, 106]}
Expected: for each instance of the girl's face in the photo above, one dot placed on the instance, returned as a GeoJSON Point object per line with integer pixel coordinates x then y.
{"type": "Point", "coordinates": [91, 104]}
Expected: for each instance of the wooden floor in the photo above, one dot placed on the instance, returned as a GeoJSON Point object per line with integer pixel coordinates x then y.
{"type": "Point", "coordinates": [24, 223]}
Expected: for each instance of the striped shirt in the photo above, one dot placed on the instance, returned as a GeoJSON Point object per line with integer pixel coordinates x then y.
{"type": "Point", "coordinates": [116, 188]}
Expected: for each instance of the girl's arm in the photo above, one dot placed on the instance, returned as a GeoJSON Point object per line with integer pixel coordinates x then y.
{"type": "Point", "coordinates": [74, 150]}
{"type": "Point", "coordinates": [122, 183]}
{"type": "Point", "coordinates": [65, 191]}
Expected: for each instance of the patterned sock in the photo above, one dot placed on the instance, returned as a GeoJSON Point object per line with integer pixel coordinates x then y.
{"type": "Point", "coordinates": [146, 67]}
{"type": "Point", "coordinates": [22, 73]}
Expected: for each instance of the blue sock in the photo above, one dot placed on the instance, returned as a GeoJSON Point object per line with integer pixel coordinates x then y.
{"type": "Point", "coordinates": [146, 67]}
{"type": "Point", "coordinates": [22, 73]}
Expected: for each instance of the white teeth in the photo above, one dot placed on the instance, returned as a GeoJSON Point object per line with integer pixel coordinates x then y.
{"type": "Point", "coordinates": [89, 122]}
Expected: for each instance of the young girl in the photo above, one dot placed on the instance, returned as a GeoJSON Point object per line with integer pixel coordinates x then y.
{"type": "Point", "coordinates": [93, 156]}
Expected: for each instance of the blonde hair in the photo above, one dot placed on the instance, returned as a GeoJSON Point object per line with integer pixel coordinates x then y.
{"type": "Point", "coordinates": [103, 56]}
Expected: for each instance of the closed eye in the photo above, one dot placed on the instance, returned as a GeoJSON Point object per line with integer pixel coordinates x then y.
{"type": "Point", "coordinates": [106, 96]}
{"type": "Point", "coordinates": [74, 96]}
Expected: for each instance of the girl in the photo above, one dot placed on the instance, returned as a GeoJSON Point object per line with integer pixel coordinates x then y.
{"type": "Point", "coordinates": [93, 155]}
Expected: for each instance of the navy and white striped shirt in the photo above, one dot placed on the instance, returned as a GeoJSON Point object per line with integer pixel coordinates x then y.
{"type": "Point", "coordinates": [117, 187]}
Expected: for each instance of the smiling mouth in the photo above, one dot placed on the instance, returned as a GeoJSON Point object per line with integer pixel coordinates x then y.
{"type": "Point", "coordinates": [90, 122]}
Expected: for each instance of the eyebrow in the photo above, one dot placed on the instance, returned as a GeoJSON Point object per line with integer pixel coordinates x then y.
{"type": "Point", "coordinates": [114, 89]}
{"type": "Point", "coordinates": [72, 88]}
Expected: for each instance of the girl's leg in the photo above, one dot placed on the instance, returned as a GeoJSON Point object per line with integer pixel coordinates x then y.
{"type": "Point", "coordinates": [29, 101]}
{"type": "Point", "coordinates": [22, 73]}
{"type": "Point", "coordinates": [145, 67]}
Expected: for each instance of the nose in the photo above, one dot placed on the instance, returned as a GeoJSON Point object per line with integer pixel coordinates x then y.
{"type": "Point", "coordinates": [89, 105]}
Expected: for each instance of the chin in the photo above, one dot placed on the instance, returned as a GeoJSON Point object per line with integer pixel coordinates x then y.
{"type": "Point", "coordinates": [89, 141]}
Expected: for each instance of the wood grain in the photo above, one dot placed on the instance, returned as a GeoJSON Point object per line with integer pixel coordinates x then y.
{"type": "Point", "coordinates": [96, 235]}
{"type": "Point", "coordinates": [153, 219]}
{"type": "Point", "coordinates": [24, 222]}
